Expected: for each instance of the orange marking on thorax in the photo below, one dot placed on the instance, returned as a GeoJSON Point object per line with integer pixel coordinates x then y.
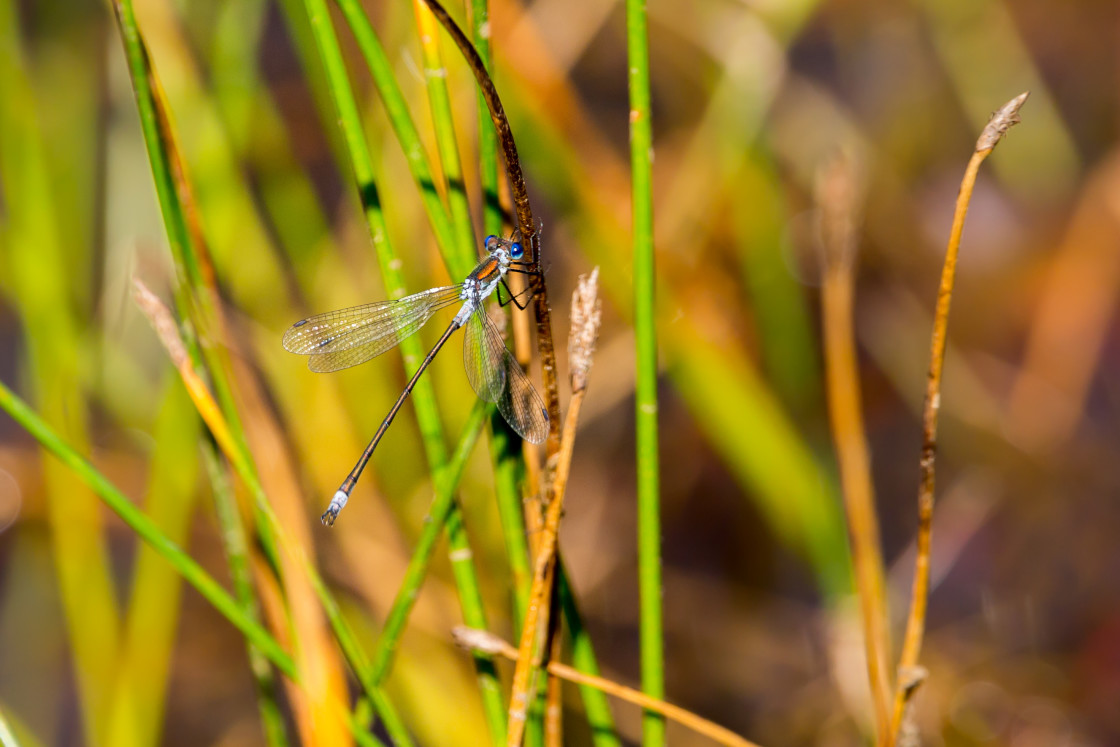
{"type": "Point", "coordinates": [488, 270]}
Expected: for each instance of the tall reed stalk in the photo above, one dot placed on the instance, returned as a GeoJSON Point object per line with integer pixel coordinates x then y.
{"type": "Point", "coordinates": [645, 334]}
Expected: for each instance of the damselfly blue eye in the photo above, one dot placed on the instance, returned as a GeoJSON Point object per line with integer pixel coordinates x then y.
{"type": "Point", "coordinates": [516, 250]}
{"type": "Point", "coordinates": [490, 243]}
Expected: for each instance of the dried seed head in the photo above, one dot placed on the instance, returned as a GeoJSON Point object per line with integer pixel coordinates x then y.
{"type": "Point", "coordinates": [839, 197]}
{"type": "Point", "coordinates": [161, 319]}
{"type": "Point", "coordinates": [911, 678]}
{"type": "Point", "coordinates": [586, 317]}
{"type": "Point", "coordinates": [1001, 122]}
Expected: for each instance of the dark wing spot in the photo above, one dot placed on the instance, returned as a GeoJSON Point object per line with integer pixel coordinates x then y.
{"type": "Point", "coordinates": [324, 342]}
{"type": "Point", "coordinates": [300, 323]}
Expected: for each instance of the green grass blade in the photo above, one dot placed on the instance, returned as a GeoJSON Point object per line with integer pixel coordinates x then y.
{"type": "Point", "coordinates": [139, 66]}
{"type": "Point", "coordinates": [195, 296]}
{"type": "Point", "coordinates": [487, 138]}
{"type": "Point", "coordinates": [417, 569]}
{"type": "Point", "coordinates": [772, 461]}
{"type": "Point", "coordinates": [595, 702]}
{"type": "Point", "coordinates": [145, 528]}
{"type": "Point", "coordinates": [267, 525]}
{"type": "Point", "coordinates": [649, 491]}
{"type": "Point", "coordinates": [151, 623]}
{"type": "Point", "coordinates": [147, 531]}
{"type": "Point", "coordinates": [396, 109]}
{"type": "Point", "coordinates": [505, 448]}
{"type": "Point", "coordinates": [38, 272]}
{"type": "Point", "coordinates": [505, 452]}
{"type": "Point", "coordinates": [236, 547]}
{"type": "Point", "coordinates": [439, 100]}
{"type": "Point", "coordinates": [360, 663]}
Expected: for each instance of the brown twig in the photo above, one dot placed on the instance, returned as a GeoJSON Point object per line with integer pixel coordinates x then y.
{"type": "Point", "coordinates": [525, 222]}
{"type": "Point", "coordinates": [542, 484]}
{"type": "Point", "coordinates": [488, 643]}
{"type": "Point", "coordinates": [838, 200]}
{"type": "Point", "coordinates": [586, 317]}
{"type": "Point", "coordinates": [997, 126]}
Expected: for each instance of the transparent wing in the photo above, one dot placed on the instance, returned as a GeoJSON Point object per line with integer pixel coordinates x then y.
{"type": "Point", "coordinates": [517, 400]}
{"type": "Point", "coordinates": [485, 370]}
{"type": "Point", "coordinates": [347, 337]}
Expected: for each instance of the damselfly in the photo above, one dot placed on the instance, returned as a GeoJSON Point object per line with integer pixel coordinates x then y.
{"type": "Point", "coordinates": [347, 337]}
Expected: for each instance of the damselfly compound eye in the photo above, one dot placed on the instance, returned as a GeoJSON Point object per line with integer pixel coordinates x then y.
{"type": "Point", "coordinates": [516, 251]}
{"type": "Point", "coordinates": [491, 243]}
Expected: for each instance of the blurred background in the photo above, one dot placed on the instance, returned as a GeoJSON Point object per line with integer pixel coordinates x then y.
{"type": "Point", "coordinates": [750, 100]}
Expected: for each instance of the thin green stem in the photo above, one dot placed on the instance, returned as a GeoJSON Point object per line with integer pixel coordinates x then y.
{"type": "Point", "coordinates": [487, 140]}
{"type": "Point", "coordinates": [140, 69]}
{"type": "Point", "coordinates": [392, 721]}
{"type": "Point", "coordinates": [504, 445]}
{"type": "Point", "coordinates": [417, 568]}
{"type": "Point", "coordinates": [194, 297]}
{"type": "Point", "coordinates": [435, 73]}
{"type": "Point", "coordinates": [423, 396]}
{"type": "Point", "coordinates": [174, 191]}
{"type": "Point", "coordinates": [396, 109]}
{"type": "Point", "coordinates": [525, 222]}
{"type": "Point", "coordinates": [506, 454]}
{"type": "Point", "coordinates": [147, 530]}
{"type": "Point", "coordinates": [40, 272]}
{"type": "Point", "coordinates": [237, 559]}
{"type": "Point", "coordinates": [595, 703]}
{"type": "Point", "coordinates": [649, 510]}
{"type": "Point", "coordinates": [152, 620]}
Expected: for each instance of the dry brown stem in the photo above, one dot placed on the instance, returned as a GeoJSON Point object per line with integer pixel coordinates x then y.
{"type": "Point", "coordinates": [1000, 122]}
{"type": "Point", "coordinates": [482, 641]}
{"type": "Point", "coordinates": [586, 317]}
{"type": "Point", "coordinates": [839, 198]}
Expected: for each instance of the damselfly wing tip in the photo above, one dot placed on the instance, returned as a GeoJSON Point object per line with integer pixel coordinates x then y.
{"type": "Point", "coordinates": [292, 335]}
{"type": "Point", "coordinates": [539, 437]}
